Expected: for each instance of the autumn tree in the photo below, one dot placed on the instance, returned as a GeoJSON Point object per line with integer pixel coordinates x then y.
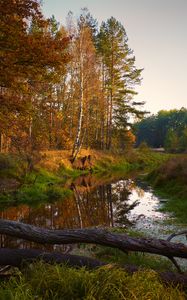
{"type": "Point", "coordinates": [64, 87]}
{"type": "Point", "coordinates": [83, 81]}
{"type": "Point", "coordinates": [29, 58]}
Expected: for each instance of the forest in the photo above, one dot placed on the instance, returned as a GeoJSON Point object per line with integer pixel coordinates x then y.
{"type": "Point", "coordinates": [167, 129]}
{"type": "Point", "coordinates": [93, 188]}
{"type": "Point", "coordinates": [65, 87]}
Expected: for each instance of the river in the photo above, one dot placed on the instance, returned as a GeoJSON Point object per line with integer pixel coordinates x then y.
{"type": "Point", "coordinates": [118, 201]}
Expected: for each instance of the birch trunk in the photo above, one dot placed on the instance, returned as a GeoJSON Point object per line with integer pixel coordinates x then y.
{"type": "Point", "coordinates": [77, 143]}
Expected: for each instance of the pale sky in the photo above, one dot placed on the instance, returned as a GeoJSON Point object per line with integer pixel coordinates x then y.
{"type": "Point", "coordinates": [157, 32]}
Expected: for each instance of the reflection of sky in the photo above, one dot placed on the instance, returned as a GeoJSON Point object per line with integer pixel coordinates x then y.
{"type": "Point", "coordinates": [148, 204]}
{"type": "Point", "coordinates": [107, 205]}
{"type": "Point", "coordinates": [146, 214]}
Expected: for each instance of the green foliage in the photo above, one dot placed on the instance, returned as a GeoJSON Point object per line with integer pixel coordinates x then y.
{"type": "Point", "coordinates": [42, 281]}
{"type": "Point", "coordinates": [183, 140]}
{"type": "Point", "coordinates": [121, 77]}
{"type": "Point", "coordinates": [177, 202]}
{"type": "Point", "coordinates": [135, 159]}
{"type": "Point", "coordinates": [171, 141]}
{"type": "Point", "coordinates": [143, 147]}
{"type": "Point", "coordinates": [166, 129]}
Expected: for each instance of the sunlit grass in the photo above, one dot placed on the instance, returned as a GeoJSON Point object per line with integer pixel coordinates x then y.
{"type": "Point", "coordinates": [43, 281]}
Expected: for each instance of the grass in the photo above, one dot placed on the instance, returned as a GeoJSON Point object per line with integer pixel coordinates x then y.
{"type": "Point", "coordinates": [38, 187]}
{"type": "Point", "coordinates": [151, 261]}
{"type": "Point", "coordinates": [43, 281]}
{"type": "Point", "coordinates": [115, 256]}
{"type": "Point", "coordinates": [177, 200]}
{"type": "Point", "coordinates": [146, 159]}
{"type": "Point", "coordinates": [170, 181]}
{"type": "Point", "coordinates": [136, 159]}
{"type": "Point", "coordinates": [45, 183]}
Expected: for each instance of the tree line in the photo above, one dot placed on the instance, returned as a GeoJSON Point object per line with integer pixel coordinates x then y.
{"type": "Point", "coordinates": [64, 87]}
{"type": "Point", "coordinates": [166, 129]}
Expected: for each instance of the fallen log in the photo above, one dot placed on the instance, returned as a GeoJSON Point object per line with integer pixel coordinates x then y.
{"type": "Point", "coordinates": [94, 236]}
{"type": "Point", "coordinates": [184, 232]}
{"type": "Point", "coordinates": [17, 258]}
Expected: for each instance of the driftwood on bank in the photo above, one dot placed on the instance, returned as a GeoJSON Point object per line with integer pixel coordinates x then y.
{"type": "Point", "coordinates": [16, 258]}
{"type": "Point", "coordinates": [94, 236]}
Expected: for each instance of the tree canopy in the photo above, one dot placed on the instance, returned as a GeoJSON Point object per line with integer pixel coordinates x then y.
{"type": "Point", "coordinates": [165, 129]}
{"type": "Point", "coordinates": [62, 87]}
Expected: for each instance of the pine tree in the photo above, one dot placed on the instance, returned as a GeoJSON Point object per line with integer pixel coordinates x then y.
{"type": "Point", "coordinates": [120, 76]}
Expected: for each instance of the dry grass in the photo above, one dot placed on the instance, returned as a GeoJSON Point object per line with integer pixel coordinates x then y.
{"type": "Point", "coordinates": [51, 160]}
{"type": "Point", "coordinates": [174, 169]}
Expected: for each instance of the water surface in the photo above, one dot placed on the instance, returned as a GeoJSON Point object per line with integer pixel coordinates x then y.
{"type": "Point", "coordinates": [97, 202]}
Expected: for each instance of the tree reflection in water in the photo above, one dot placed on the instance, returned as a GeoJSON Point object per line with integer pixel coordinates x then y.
{"type": "Point", "coordinates": [94, 203]}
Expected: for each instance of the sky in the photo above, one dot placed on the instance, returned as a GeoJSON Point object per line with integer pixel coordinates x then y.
{"type": "Point", "coordinates": [157, 32]}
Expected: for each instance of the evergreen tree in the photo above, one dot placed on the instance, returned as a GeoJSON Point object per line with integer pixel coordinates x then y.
{"type": "Point", "coordinates": [120, 76]}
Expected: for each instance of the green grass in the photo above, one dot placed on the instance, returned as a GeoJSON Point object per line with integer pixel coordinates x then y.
{"type": "Point", "coordinates": [111, 255]}
{"type": "Point", "coordinates": [176, 193]}
{"type": "Point", "coordinates": [116, 256]}
{"type": "Point", "coordinates": [134, 160]}
{"type": "Point", "coordinates": [41, 185]}
{"type": "Point", "coordinates": [170, 181]}
{"type": "Point", "coordinates": [108, 167]}
{"type": "Point", "coordinates": [147, 159]}
{"type": "Point", "coordinates": [66, 173]}
{"type": "Point", "coordinates": [43, 281]}
{"type": "Point", "coordinates": [38, 187]}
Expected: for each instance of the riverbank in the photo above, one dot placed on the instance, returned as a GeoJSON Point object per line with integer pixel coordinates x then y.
{"type": "Point", "coordinates": [42, 177]}
{"type": "Point", "coordinates": [53, 179]}
{"type": "Point", "coordinates": [170, 182]}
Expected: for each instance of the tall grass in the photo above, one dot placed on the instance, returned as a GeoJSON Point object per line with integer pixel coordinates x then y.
{"type": "Point", "coordinates": [42, 281]}
{"type": "Point", "coordinates": [170, 180]}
